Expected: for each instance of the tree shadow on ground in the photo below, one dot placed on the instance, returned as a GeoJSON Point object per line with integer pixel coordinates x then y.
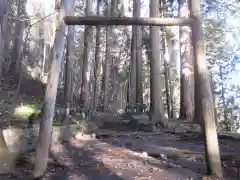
{"type": "Point", "coordinates": [130, 165]}
{"type": "Point", "coordinates": [86, 156]}
{"type": "Point", "coordinates": [197, 166]}
{"type": "Point", "coordinates": [83, 166]}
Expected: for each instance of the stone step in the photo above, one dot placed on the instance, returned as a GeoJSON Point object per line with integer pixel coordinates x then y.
{"type": "Point", "coordinates": [22, 140]}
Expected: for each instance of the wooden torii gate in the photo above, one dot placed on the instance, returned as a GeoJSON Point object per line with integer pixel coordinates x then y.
{"type": "Point", "coordinates": [208, 125]}
{"type": "Point", "coordinates": [211, 140]}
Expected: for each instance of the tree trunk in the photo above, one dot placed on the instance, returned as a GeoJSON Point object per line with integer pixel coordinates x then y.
{"type": "Point", "coordinates": [1, 47]}
{"type": "Point", "coordinates": [182, 113]}
{"type": "Point", "coordinates": [147, 43]}
{"type": "Point", "coordinates": [187, 69]}
{"type": "Point", "coordinates": [136, 63]}
{"type": "Point", "coordinates": [156, 64]}
{"type": "Point", "coordinates": [96, 72]}
{"type": "Point", "coordinates": [106, 69]}
{"type": "Point", "coordinates": [138, 36]}
{"type": "Point", "coordinates": [69, 65]}
{"type": "Point", "coordinates": [18, 38]}
{"type": "Point", "coordinates": [213, 161]}
{"type": "Point", "coordinates": [223, 96]}
{"type": "Point", "coordinates": [167, 89]}
{"type": "Point", "coordinates": [3, 31]}
{"type": "Point", "coordinates": [42, 51]}
{"type": "Point", "coordinates": [128, 85]}
{"type": "Point", "coordinates": [3, 8]}
{"type": "Point", "coordinates": [162, 9]}
{"type": "Point", "coordinates": [45, 130]}
{"type": "Point", "coordinates": [170, 54]}
{"type": "Point", "coordinates": [7, 35]}
{"type": "Point", "coordinates": [215, 110]}
{"type": "Point", "coordinates": [171, 94]}
{"type": "Point", "coordinates": [132, 84]}
{"type": "Point", "coordinates": [85, 70]}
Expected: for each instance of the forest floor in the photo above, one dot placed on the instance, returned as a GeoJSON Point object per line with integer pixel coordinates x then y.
{"type": "Point", "coordinates": [118, 154]}
{"type": "Point", "coordinates": [127, 156]}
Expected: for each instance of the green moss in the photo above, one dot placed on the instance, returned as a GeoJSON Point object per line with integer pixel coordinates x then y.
{"type": "Point", "coordinates": [24, 111]}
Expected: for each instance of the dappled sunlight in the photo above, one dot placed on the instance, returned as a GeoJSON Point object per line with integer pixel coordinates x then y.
{"type": "Point", "coordinates": [158, 150]}
{"type": "Point", "coordinates": [188, 70]}
{"type": "Point", "coordinates": [124, 161]}
{"type": "Point", "coordinates": [25, 111]}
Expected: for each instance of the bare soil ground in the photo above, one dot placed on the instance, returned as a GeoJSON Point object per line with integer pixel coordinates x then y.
{"type": "Point", "coordinates": [117, 155]}
{"type": "Point", "coordinates": [126, 156]}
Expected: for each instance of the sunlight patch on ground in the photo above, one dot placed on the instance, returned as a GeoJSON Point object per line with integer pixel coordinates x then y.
{"type": "Point", "coordinates": [24, 111]}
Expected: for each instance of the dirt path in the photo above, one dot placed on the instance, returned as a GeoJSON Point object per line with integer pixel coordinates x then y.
{"type": "Point", "coordinates": [83, 159]}
{"type": "Point", "coordinates": [137, 156]}
{"type": "Point", "coordinates": [184, 152]}
{"type": "Point", "coordinates": [126, 156]}
{"type": "Point", "coordinates": [129, 156]}
{"type": "Point", "coordinates": [94, 160]}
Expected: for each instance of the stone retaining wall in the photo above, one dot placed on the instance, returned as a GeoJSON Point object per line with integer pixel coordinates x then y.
{"type": "Point", "coordinates": [22, 140]}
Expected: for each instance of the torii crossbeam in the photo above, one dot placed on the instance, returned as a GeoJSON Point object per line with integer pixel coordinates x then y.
{"type": "Point", "coordinates": [110, 21]}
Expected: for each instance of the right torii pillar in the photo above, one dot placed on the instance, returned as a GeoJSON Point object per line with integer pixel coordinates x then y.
{"type": "Point", "coordinates": [208, 124]}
